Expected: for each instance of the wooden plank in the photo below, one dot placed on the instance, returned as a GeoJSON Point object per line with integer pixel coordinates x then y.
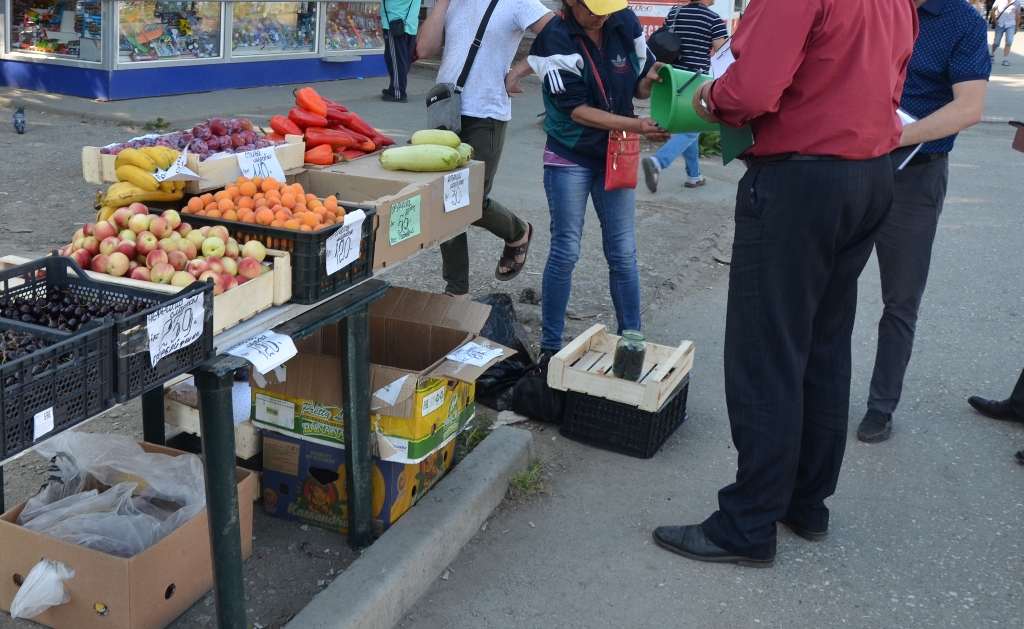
{"type": "Point", "coordinates": [569, 354]}
{"type": "Point", "coordinates": [646, 373]}
{"type": "Point", "coordinates": [588, 360]}
{"type": "Point", "coordinates": [604, 365]}
{"type": "Point", "coordinates": [607, 387]}
{"type": "Point", "coordinates": [672, 380]}
{"type": "Point", "coordinates": [282, 276]}
{"type": "Point", "coordinates": [248, 438]}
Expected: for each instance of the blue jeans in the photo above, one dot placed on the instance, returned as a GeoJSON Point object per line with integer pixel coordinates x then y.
{"type": "Point", "coordinates": [1008, 31]}
{"type": "Point", "coordinates": [684, 144]}
{"type": "Point", "coordinates": [568, 190]}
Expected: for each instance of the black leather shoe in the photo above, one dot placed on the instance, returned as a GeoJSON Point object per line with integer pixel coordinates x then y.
{"type": "Point", "coordinates": [388, 98]}
{"type": "Point", "coordinates": [996, 409]}
{"type": "Point", "coordinates": [1019, 456]}
{"type": "Point", "coordinates": [810, 536]}
{"type": "Point", "coordinates": [874, 427]}
{"type": "Point", "coordinates": [690, 542]}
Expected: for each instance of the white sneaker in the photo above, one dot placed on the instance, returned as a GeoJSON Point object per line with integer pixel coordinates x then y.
{"type": "Point", "coordinates": [1006, 62]}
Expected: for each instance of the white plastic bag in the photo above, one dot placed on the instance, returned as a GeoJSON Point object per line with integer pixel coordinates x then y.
{"type": "Point", "coordinates": [42, 589]}
{"type": "Point", "coordinates": [106, 493]}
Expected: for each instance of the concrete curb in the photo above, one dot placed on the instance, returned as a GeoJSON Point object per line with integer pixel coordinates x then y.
{"type": "Point", "coordinates": [390, 576]}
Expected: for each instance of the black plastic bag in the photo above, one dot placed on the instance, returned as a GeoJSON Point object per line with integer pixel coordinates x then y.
{"type": "Point", "coordinates": [532, 396]}
{"type": "Point", "coordinates": [503, 327]}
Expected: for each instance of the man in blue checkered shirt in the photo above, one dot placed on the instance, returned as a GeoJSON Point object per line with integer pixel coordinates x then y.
{"type": "Point", "coordinates": [945, 92]}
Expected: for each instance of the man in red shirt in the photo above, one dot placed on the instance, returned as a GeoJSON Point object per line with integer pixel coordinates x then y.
{"type": "Point", "coordinates": [819, 82]}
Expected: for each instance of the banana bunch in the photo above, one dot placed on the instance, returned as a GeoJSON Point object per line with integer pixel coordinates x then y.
{"type": "Point", "coordinates": [136, 184]}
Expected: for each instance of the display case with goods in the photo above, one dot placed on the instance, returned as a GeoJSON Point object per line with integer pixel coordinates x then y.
{"type": "Point", "coordinates": [70, 30]}
{"type": "Point", "coordinates": [352, 26]}
{"type": "Point", "coordinates": [158, 31]}
{"type": "Point", "coordinates": [268, 28]}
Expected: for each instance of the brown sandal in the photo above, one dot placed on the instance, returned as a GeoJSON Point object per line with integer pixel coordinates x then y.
{"type": "Point", "coordinates": [509, 255]}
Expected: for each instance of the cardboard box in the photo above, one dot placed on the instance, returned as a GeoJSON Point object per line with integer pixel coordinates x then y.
{"type": "Point", "coordinates": [147, 591]}
{"type": "Point", "coordinates": [216, 173]}
{"type": "Point", "coordinates": [410, 206]}
{"type": "Point", "coordinates": [305, 482]}
{"type": "Point", "coordinates": [411, 333]}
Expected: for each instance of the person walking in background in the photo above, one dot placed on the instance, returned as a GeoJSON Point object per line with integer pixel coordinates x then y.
{"type": "Point", "coordinates": [400, 20]}
{"type": "Point", "coordinates": [701, 33]}
{"type": "Point", "coordinates": [945, 91]}
{"type": "Point", "coordinates": [1007, 16]}
{"type": "Point", "coordinates": [486, 110]}
{"type": "Point", "coordinates": [1010, 409]}
{"type": "Point", "coordinates": [594, 61]}
{"type": "Point", "coordinates": [819, 82]}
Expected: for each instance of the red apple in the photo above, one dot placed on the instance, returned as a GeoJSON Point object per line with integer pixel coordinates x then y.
{"type": "Point", "coordinates": [155, 257]}
{"type": "Point", "coordinates": [82, 258]}
{"type": "Point", "coordinates": [215, 264]}
{"type": "Point", "coordinates": [229, 282]}
{"type": "Point", "coordinates": [141, 273]}
{"type": "Point", "coordinates": [230, 266]}
{"type": "Point", "coordinates": [132, 265]}
{"type": "Point", "coordinates": [204, 230]}
{"type": "Point", "coordinates": [128, 248]}
{"type": "Point", "coordinates": [99, 263]}
{"type": "Point", "coordinates": [160, 227]}
{"type": "Point", "coordinates": [183, 229]}
{"type": "Point", "coordinates": [127, 234]}
{"type": "Point", "coordinates": [146, 242]}
{"type": "Point", "coordinates": [117, 264]}
{"type": "Point", "coordinates": [105, 229]}
{"type": "Point", "coordinates": [87, 229]}
{"type": "Point", "coordinates": [109, 245]}
{"type": "Point", "coordinates": [121, 217]}
{"type": "Point", "coordinates": [91, 244]}
{"type": "Point", "coordinates": [168, 245]}
{"type": "Point", "coordinates": [181, 278]}
{"type": "Point", "coordinates": [249, 268]}
{"type": "Point", "coordinates": [186, 247]}
{"type": "Point", "coordinates": [177, 259]}
{"type": "Point", "coordinates": [161, 273]}
{"type": "Point", "coordinates": [218, 285]}
{"type": "Point", "coordinates": [67, 250]}
{"type": "Point", "coordinates": [231, 249]}
{"type": "Point", "coordinates": [219, 231]}
{"type": "Point", "coordinates": [241, 279]}
{"type": "Point", "coordinates": [195, 237]}
{"type": "Point", "coordinates": [78, 235]}
{"type": "Point", "coordinates": [254, 249]}
{"type": "Point", "coordinates": [139, 208]}
{"type": "Point", "coordinates": [213, 246]}
{"type": "Point", "coordinates": [172, 217]}
{"type": "Point", "coordinates": [139, 223]}
{"type": "Point", "coordinates": [197, 267]}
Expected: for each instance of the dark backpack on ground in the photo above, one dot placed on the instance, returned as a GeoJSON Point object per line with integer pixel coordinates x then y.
{"type": "Point", "coordinates": [532, 396]}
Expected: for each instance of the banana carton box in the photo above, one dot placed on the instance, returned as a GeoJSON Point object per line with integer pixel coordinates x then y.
{"type": "Point", "coordinates": [425, 357]}
{"type": "Point", "coordinates": [305, 482]}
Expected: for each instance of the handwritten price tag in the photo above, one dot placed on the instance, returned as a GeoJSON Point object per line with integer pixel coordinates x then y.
{"type": "Point", "coordinates": [175, 326]}
{"type": "Point", "coordinates": [474, 354]}
{"type": "Point", "coordinates": [177, 171]}
{"type": "Point", "coordinates": [343, 244]}
{"type": "Point", "coordinates": [260, 163]}
{"type": "Point", "coordinates": [266, 350]}
{"type": "Point", "coordinates": [456, 190]}
{"type": "Point", "coordinates": [404, 221]}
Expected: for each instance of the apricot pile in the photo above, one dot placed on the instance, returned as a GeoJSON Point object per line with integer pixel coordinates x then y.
{"type": "Point", "coordinates": [269, 203]}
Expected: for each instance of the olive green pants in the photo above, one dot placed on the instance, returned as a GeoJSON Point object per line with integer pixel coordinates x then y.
{"type": "Point", "coordinates": [487, 137]}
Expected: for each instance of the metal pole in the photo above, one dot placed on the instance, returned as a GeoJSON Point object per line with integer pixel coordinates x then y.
{"type": "Point", "coordinates": [153, 416]}
{"type": "Point", "coordinates": [218, 432]}
{"type": "Point", "coordinates": [354, 339]}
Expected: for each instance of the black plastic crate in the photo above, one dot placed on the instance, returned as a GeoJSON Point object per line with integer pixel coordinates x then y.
{"type": "Point", "coordinates": [623, 428]}
{"type": "Point", "coordinates": [310, 282]}
{"type": "Point", "coordinates": [73, 376]}
{"type": "Point", "coordinates": [133, 372]}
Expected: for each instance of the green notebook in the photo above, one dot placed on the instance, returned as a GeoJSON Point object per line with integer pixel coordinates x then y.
{"type": "Point", "coordinates": [735, 141]}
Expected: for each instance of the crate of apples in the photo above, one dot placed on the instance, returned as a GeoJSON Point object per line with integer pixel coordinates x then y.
{"type": "Point", "coordinates": [164, 250]}
{"type": "Point", "coordinates": [268, 203]}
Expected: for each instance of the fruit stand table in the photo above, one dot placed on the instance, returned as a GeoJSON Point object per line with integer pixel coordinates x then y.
{"type": "Point", "coordinates": [214, 381]}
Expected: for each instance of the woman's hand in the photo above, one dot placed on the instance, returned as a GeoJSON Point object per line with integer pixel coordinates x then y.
{"type": "Point", "coordinates": [700, 101]}
{"type": "Point", "coordinates": [650, 130]}
{"type": "Point", "coordinates": [652, 74]}
{"type": "Point", "coordinates": [512, 84]}
{"type": "Point", "coordinates": [646, 84]}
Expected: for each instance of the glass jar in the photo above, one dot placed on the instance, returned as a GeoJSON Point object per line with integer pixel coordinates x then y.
{"type": "Point", "coordinates": [629, 355]}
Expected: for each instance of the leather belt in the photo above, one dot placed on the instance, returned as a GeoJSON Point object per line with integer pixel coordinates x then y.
{"type": "Point", "coordinates": [925, 158]}
{"type": "Point", "coordinates": [751, 160]}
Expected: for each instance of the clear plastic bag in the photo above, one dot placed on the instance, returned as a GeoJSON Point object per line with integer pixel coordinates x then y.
{"type": "Point", "coordinates": [42, 589]}
{"type": "Point", "coordinates": [106, 493]}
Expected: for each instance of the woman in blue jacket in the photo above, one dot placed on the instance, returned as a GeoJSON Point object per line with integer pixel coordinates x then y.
{"type": "Point", "coordinates": [605, 37]}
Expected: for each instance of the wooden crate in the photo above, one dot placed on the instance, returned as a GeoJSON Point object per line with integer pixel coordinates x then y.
{"type": "Point", "coordinates": [230, 308]}
{"type": "Point", "coordinates": [585, 366]}
{"type": "Point", "coordinates": [216, 173]}
{"type": "Point", "coordinates": [248, 438]}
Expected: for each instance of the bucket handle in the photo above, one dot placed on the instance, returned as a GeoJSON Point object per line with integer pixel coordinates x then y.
{"type": "Point", "coordinates": [687, 84]}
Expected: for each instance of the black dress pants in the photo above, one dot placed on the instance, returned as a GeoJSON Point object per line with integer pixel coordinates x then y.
{"type": "Point", "coordinates": [1017, 397]}
{"type": "Point", "coordinates": [804, 231]}
{"type": "Point", "coordinates": [399, 49]}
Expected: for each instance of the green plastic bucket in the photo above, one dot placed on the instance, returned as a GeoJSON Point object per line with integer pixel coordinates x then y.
{"type": "Point", "coordinates": [672, 109]}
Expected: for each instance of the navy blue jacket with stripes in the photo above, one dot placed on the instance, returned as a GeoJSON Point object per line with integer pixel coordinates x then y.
{"type": "Point", "coordinates": [557, 57]}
